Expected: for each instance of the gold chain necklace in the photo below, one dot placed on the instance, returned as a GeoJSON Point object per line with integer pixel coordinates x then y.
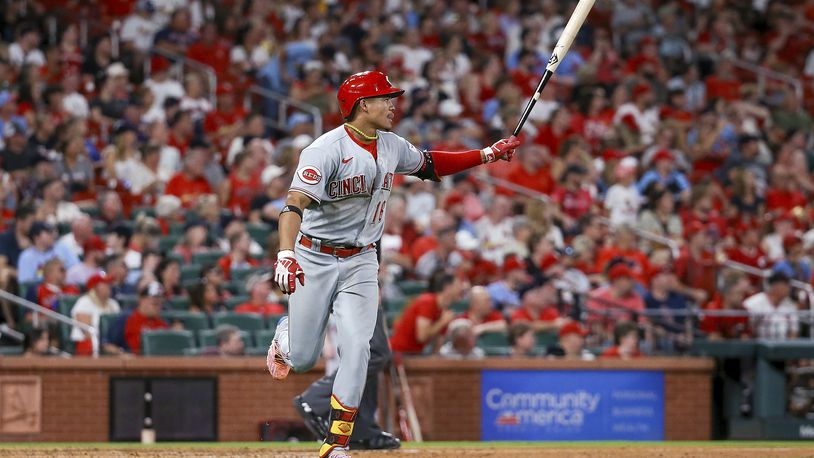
{"type": "Point", "coordinates": [365, 136]}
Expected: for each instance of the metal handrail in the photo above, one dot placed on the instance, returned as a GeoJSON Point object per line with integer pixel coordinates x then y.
{"type": "Point", "coordinates": [808, 288]}
{"type": "Point", "coordinates": [674, 247]}
{"type": "Point", "coordinates": [764, 73]}
{"type": "Point", "coordinates": [284, 103]}
{"type": "Point", "coordinates": [36, 308]}
{"type": "Point", "coordinates": [211, 76]}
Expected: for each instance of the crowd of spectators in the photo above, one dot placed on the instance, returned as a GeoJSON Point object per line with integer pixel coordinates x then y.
{"type": "Point", "coordinates": [122, 164]}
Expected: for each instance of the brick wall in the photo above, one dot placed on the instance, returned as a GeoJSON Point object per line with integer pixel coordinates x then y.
{"type": "Point", "coordinates": [447, 394]}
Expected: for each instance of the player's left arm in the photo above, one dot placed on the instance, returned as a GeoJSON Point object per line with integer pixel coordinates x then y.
{"type": "Point", "coordinates": [431, 165]}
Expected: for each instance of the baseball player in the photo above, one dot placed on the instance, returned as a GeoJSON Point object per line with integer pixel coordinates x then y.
{"type": "Point", "coordinates": [334, 213]}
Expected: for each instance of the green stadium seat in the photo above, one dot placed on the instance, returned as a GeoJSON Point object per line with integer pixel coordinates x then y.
{"type": "Point", "coordinates": [209, 338]}
{"type": "Point", "coordinates": [257, 351]}
{"type": "Point", "coordinates": [66, 304]}
{"type": "Point", "coordinates": [165, 342]}
{"type": "Point", "coordinates": [459, 306]}
{"type": "Point", "coordinates": [547, 338]}
{"type": "Point", "coordinates": [176, 256]}
{"type": "Point", "coordinates": [497, 351]}
{"type": "Point", "coordinates": [191, 271]}
{"type": "Point", "coordinates": [236, 287]}
{"type": "Point", "coordinates": [63, 228]}
{"type": "Point", "coordinates": [397, 305]}
{"type": "Point", "coordinates": [26, 286]}
{"type": "Point", "coordinates": [147, 211]}
{"type": "Point", "coordinates": [234, 301]}
{"type": "Point", "coordinates": [104, 323]}
{"type": "Point", "coordinates": [93, 212]}
{"type": "Point", "coordinates": [412, 287]}
{"type": "Point", "coordinates": [493, 339]}
{"type": "Point", "coordinates": [177, 229]}
{"type": "Point", "coordinates": [244, 321]}
{"type": "Point", "coordinates": [192, 321]}
{"type": "Point", "coordinates": [11, 350]}
{"type": "Point", "coordinates": [205, 259]}
{"type": "Point", "coordinates": [259, 232]}
{"type": "Point", "coordinates": [127, 301]}
{"type": "Point", "coordinates": [271, 321]}
{"type": "Point", "coordinates": [192, 351]}
{"type": "Point", "coordinates": [240, 275]}
{"type": "Point", "coordinates": [167, 243]}
{"type": "Point", "coordinates": [178, 303]}
{"type": "Point", "coordinates": [391, 318]}
{"type": "Point", "coordinates": [263, 337]}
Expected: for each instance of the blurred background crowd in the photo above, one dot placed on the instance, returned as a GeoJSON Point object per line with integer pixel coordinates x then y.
{"type": "Point", "coordinates": [661, 193]}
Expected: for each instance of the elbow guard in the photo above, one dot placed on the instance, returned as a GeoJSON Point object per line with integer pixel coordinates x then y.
{"type": "Point", "coordinates": [427, 169]}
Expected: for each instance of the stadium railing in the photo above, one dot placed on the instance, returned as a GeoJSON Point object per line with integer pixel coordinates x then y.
{"type": "Point", "coordinates": [38, 309]}
{"type": "Point", "coordinates": [283, 103]}
{"type": "Point", "coordinates": [671, 244]}
{"type": "Point", "coordinates": [184, 61]}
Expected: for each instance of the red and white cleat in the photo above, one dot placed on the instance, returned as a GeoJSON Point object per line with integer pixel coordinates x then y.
{"type": "Point", "coordinates": [275, 362]}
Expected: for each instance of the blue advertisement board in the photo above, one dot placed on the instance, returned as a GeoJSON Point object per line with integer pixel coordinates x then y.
{"type": "Point", "coordinates": [532, 405]}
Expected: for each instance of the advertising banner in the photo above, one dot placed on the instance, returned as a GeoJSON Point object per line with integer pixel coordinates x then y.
{"type": "Point", "coordinates": [531, 405]}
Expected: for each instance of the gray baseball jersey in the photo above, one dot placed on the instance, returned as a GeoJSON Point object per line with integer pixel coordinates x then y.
{"type": "Point", "coordinates": [345, 183]}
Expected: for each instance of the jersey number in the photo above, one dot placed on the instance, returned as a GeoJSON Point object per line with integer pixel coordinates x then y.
{"type": "Point", "coordinates": [378, 214]}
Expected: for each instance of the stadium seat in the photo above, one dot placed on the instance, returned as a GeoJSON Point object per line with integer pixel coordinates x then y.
{"type": "Point", "coordinates": [11, 350]}
{"type": "Point", "coordinates": [66, 304]}
{"type": "Point", "coordinates": [497, 351]}
{"type": "Point", "coordinates": [167, 243]}
{"type": "Point", "coordinates": [206, 259]}
{"type": "Point", "coordinates": [104, 324]}
{"type": "Point", "coordinates": [256, 351]}
{"type": "Point", "coordinates": [547, 338]}
{"type": "Point", "coordinates": [412, 287]}
{"type": "Point", "coordinates": [127, 301]}
{"type": "Point", "coordinates": [178, 303]}
{"type": "Point", "coordinates": [459, 306]}
{"type": "Point", "coordinates": [191, 271]}
{"type": "Point", "coordinates": [192, 321]}
{"type": "Point", "coordinates": [395, 305]}
{"type": "Point", "coordinates": [263, 337]}
{"type": "Point", "coordinates": [271, 321]}
{"type": "Point", "coordinates": [147, 211]}
{"type": "Point", "coordinates": [209, 338]}
{"type": "Point", "coordinates": [240, 275]}
{"type": "Point", "coordinates": [245, 321]}
{"type": "Point", "coordinates": [176, 256]}
{"type": "Point", "coordinates": [177, 229]}
{"type": "Point", "coordinates": [493, 339]}
{"type": "Point", "coordinates": [259, 233]}
{"type": "Point", "coordinates": [164, 342]}
{"type": "Point", "coordinates": [234, 301]}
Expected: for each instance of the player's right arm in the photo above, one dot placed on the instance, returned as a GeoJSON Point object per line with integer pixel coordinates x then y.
{"type": "Point", "coordinates": [307, 188]}
{"type": "Point", "coordinates": [289, 222]}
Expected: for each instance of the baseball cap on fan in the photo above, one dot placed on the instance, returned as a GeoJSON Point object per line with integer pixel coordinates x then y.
{"type": "Point", "coordinates": [152, 289]}
{"type": "Point", "coordinates": [256, 279]}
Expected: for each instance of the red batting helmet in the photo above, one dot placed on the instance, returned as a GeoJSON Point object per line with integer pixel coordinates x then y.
{"type": "Point", "coordinates": [362, 85]}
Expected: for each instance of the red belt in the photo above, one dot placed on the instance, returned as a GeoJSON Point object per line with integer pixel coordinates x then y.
{"type": "Point", "coordinates": [339, 252]}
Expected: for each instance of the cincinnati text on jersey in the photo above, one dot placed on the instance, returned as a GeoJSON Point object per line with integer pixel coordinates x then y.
{"type": "Point", "coordinates": [347, 187]}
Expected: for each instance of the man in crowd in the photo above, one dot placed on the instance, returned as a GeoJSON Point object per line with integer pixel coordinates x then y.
{"type": "Point", "coordinates": [146, 316]}
{"type": "Point", "coordinates": [426, 319]}
{"type": "Point", "coordinates": [42, 249]}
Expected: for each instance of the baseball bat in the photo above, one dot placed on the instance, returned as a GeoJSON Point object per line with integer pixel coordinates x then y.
{"type": "Point", "coordinates": [560, 50]}
{"type": "Point", "coordinates": [407, 397]}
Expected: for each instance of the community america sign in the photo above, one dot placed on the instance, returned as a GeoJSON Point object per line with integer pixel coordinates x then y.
{"type": "Point", "coordinates": [572, 405]}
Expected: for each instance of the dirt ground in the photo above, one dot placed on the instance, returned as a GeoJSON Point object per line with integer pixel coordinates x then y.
{"type": "Point", "coordinates": [502, 452]}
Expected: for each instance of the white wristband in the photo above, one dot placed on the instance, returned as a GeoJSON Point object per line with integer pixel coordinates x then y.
{"type": "Point", "coordinates": [285, 254]}
{"type": "Point", "coordinates": [487, 155]}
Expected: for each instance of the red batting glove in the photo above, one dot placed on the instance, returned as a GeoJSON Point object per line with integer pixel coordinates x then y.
{"type": "Point", "coordinates": [502, 149]}
{"type": "Point", "coordinates": [287, 271]}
